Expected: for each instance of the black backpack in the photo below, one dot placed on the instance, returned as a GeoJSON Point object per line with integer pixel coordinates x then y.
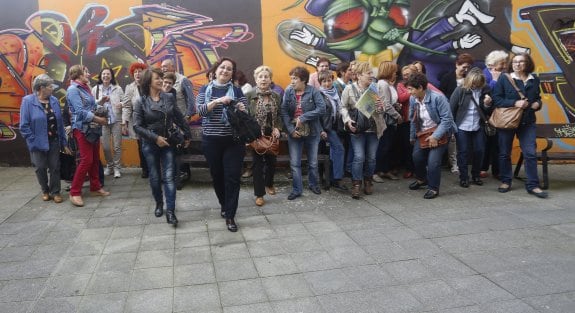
{"type": "Point", "coordinates": [245, 128]}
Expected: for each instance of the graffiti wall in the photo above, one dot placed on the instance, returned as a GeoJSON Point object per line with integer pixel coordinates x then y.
{"type": "Point", "coordinates": [48, 36]}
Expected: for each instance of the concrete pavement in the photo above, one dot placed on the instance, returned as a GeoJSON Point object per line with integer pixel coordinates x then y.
{"type": "Point", "coordinates": [469, 250]}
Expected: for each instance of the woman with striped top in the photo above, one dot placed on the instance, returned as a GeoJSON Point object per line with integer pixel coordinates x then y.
{"type": "Point", "coordinates": [224, 154]}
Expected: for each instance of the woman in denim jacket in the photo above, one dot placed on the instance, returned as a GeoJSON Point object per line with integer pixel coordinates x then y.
{"type": "Point", "coordinates": [428, 109]}
{"type": "Point", "coordinates": [42, 126]}
{"type": "Point", "coordinates": [82, 106]}
{"type": "Point", "coordinates": [505, 96]}
{"type": "Point", "coordinates": [302, 104]}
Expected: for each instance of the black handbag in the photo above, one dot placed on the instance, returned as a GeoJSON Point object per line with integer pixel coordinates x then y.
{"type": "Point", "coordinates": [362, 123]}
{"type": "Point", "coordinates": [175, 137]}
{"type": "Point", "coordinates": [67, 166]}
{"type": "Point", "coordinates": [489, 129]}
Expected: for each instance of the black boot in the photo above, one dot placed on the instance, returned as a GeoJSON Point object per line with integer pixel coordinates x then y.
{"type": "Point", "coordinates": [231, 225]}
{"type": "Point", "coordinates": [171, 217]}
{"type": "Point", "coordinates": [159, 209]}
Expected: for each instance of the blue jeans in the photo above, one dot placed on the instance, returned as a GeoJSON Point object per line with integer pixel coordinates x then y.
{"type": "Point", "coordinates": [336, 155]}
{"type": "Point", "coordinates": [161, 159]}
{"type": "Point", "coordinates": [295, 152]}
{"type": "Point", "coordinates": [364, 150]}
{"type": "Point", "coordinates": [428, 164]}
{"type": "Point", "coordinates": [225, 158]}
{"type": "Point", "coordinates": [477, 140]}
{"type": "Point", "coordinates": [526, 135]}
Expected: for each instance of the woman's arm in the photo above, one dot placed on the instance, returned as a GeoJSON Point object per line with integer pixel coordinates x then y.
{"type": "Point", "coordinates": [346, 104]}
{"type": "Point", "coordinates": [284, 110]}
{"type": "Point", "coordinates": [77, 106]}
{"type": "Point", "coordinates": [500, 93]}
{"type": "Point", "coordinates": [25, 118]}
{"type": "Point", "coordinates": [55, 104]}
{"type": "Point", "coordinates": [318, 111]}
{"type": "Point", "coordinates": [140, 123]}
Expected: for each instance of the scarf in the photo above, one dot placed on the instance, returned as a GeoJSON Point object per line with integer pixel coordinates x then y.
{"type": "Point", "coordinates": [333, 97]}
{"type": "Point", "coordinates": [84, 86]}
{"type": "Point", "coordinates": [266, 109]}
{"type": "Point", "coordinates": [229, 93]}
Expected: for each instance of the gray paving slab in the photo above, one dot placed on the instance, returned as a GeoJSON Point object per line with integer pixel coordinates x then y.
{"type": "Point", "coordinates": [472, 251]}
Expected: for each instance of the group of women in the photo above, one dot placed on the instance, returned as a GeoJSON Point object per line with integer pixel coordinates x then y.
{"type": "Point", "coordinates": [306, 114]}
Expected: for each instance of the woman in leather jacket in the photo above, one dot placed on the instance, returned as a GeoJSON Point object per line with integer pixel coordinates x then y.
{"type": "Point", "coordinates": [155, 114]}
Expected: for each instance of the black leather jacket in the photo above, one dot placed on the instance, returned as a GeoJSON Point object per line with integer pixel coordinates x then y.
{"type": "Point", "coordinates": [153, 119]}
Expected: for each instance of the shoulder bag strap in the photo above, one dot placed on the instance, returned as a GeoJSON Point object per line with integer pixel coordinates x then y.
{"type": "Point", "coordinates": [355, 91]}
{"type": "Point", "coordinates": [512, 81]}
{"type": "Point", "coordinates": [479, 108]}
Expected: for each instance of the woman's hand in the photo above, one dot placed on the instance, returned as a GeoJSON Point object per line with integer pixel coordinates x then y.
{"type": "Point", "coordinates": [523, 103]}
{"type": "Point", "coordinates": [295, 134]}
{"type": "Point", "coordinates": [224, 100]}
{"type": "Point", "coordinates": [125, 131]}
{"type": "Point", "coordinates": [241, 106]}
{"type": "Point", "coordinates": [187, 143]}
{"type": "Point", "coordinates": [535, 105]}
{"type": "Point", "coordinates": [276, 133]}
{"type": "Point", "coordinates": [67, 150]}
{"type": "Point", "coordinates": [100, 120]}
{"type": "Point", "coordinates": [432, 141]}
{"type": "Point", "coordinates": [162, 142]}
{"type": "Point", "coordinates": [379, 106]}
{"type": "Point", "coordinates": [104, 99]}
{"type": "Point", "coordinates": [350, 126]}
{"type": "Point", "coordinates": [487, 101]}
{"type": "Point", "coordinates": [323, 135]}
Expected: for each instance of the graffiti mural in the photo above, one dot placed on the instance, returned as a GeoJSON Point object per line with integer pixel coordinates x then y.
{"type": "Point", "coordinates": [51, 35]}
{"type": "Point", "coordinates": [435, 32]}
{"type": "Point", "coordinates": [51, 44]}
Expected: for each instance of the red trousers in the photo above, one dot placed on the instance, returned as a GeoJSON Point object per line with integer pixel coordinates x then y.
{"type": "Point", "coordinates": [89, 164]}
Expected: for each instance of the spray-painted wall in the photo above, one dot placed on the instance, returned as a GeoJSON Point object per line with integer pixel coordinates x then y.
{"type": "Point", "coordinates": [51, 35]}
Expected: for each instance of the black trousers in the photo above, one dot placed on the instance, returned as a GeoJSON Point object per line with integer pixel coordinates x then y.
{"type": "Point", "coordinates": [264, 169]}
{"type": "Point", "coordinates": [225, 158]}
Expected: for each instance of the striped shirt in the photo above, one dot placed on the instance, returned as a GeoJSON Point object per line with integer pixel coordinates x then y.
{"type": "Point", "coordinates": [212, 124]}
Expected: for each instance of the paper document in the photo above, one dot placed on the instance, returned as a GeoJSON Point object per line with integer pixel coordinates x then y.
{"type": "Point", "coordinates": [366, 103]}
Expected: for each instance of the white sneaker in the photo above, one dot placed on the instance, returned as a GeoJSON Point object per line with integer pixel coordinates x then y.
{"type": "Point", "coordinates": [117, 173]}
{"type": "Point", "coordinates": [377, 179]}
{"type": "Point", "coordinates": [107, 171]}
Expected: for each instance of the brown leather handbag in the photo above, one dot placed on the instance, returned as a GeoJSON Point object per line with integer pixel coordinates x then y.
{"type": "Point", "coordinates": [266, 145]}
{"type": "Point", "coordinates": [422, 135]}
{"type": "Point", "coordinates": [508, 118]}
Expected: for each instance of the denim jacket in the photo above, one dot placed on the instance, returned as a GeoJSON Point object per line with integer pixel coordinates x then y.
{"type": "Point", "coordinates": [82, 104]}
{"type": "Point", "coordinates": [34, 125]}
{"type": "Point", "coordinates": [439, 111]}
{"type": "Point", "coordinates": [313, 107]}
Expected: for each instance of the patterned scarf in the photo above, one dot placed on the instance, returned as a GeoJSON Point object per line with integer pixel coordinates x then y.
{"type": "Point", "coordinates": [266, 109]}
{"type": "Point", "coordinates": [333, 97]}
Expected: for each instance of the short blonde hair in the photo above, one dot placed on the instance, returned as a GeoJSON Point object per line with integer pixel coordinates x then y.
{"type": "Point", "coordinates": [262, 68]}
{"type": "Point", "coordinates": [386, 70]}
{"type": "Point", "coordinates": [362, 67]}
{"type": "Point", "coordinates": [474, 79]}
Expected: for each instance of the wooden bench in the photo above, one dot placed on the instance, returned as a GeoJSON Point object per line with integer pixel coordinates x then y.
{"type": "Point", "coordinates": [195, 156]}
{"type": "Point", "coordinates": [549, 132]}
